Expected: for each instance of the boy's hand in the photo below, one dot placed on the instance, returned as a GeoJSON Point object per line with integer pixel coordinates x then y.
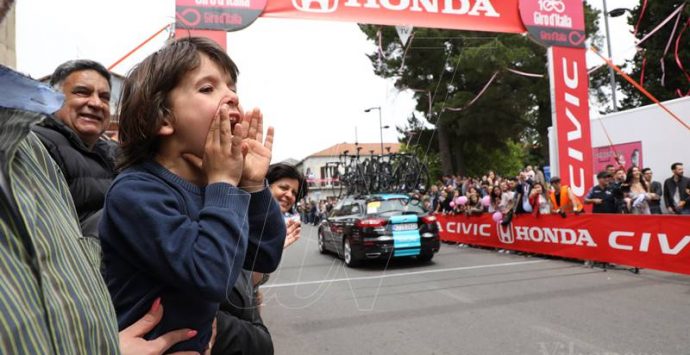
{"type": "Point", "coordinates": [223, 160]}
{"type": "Point", "coordinates": [258, 151]}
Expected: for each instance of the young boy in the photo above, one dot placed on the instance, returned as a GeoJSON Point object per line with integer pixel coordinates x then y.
{"type": "Point", "coordinates": [190, 207]}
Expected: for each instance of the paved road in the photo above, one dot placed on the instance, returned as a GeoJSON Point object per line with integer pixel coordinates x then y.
{"type": "Point", "coordinates": [472, 301]}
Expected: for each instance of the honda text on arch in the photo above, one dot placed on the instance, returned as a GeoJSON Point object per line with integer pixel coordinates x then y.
{"type": "Point", "coordinates": [379, 226]}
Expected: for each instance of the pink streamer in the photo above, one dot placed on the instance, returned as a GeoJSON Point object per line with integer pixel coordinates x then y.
{"type": "Point", "coordinates": [668, 46]}
{"type": "Point", "coordinates": [659, 26]}
{"type": "Point", "coordinates": [678, 61]}
{"type": "Point", "coordinates": [531, 75]}
{"type": "Point", "coordinates": [486, 86]}
{"type": "Point", "coordinates": [644, 8]}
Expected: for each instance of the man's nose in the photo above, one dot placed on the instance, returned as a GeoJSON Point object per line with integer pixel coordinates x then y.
{"type": "Point", "coordinates": [96, 102]}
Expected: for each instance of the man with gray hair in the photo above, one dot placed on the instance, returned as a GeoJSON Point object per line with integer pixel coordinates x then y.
{"type": "Point", "coordinates": [54, 298]}
{"type": "Point", "coordinates": [73, 136]}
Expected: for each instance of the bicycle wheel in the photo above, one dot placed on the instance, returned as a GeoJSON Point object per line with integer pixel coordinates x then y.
{"type": "Point", "coordinates": [385, 176]}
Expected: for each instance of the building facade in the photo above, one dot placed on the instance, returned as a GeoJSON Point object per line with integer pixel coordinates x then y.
{"type": "Point", "coordinates": [322, 171]}
{"type": "Point", "coordinates": [8, 44]}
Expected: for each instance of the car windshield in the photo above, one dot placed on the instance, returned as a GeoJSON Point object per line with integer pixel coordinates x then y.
{"type": "Point", "coordinates": [395, 206]}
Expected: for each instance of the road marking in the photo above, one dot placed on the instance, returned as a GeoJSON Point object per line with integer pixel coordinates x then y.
{"type": "Point", "coordinates": [401, 274]}
{"type": "Point", "coordinates": [462, 297]}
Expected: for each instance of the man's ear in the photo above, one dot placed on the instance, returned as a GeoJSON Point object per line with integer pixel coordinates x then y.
{"type": "Point", "coordinates": [167, 128]}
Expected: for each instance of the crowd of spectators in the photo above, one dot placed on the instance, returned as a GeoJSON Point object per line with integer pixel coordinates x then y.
{"type": "Point", "coordinates": [527, 192]}
{"type": "Point", "coordinates": [619, 190]}
{"type": "Point", "coordinates": [313, 212]}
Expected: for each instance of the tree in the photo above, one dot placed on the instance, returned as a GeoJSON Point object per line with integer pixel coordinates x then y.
{"type": "Point", "coordinates": [676, 81]}
{"type": "Point", "coordinates": [447, 69]}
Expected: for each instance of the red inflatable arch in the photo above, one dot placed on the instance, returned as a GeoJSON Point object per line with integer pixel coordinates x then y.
{"type": "Point", "coordinates": [558, 24]}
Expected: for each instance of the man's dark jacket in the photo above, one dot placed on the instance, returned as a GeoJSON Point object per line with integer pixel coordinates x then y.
{"type": "Point", "coordinates": [89, 173]}
{"type": "Point", "coordinates": [670, 186]}
{"type": "Point", "coordinates": [240, 329]}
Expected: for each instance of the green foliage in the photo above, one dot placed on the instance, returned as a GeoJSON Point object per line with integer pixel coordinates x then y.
{"type": "Point", "coordinates": [447, 69]}
{"type": "Point", "coordinates": [431, 159]}
{"type": "Point", "coordinates": [675, 82]}
{"type": "Point", "coordinates": [505, 161]}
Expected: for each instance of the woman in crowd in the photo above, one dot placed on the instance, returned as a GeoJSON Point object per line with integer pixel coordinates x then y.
{"type": "Point", "coordinates": [240, 329]}
{"type": "Point", "coordinates": [496, 196]}
{"type": "Point", "coordinates": [637, 199]}
{"type": "Point", "coordinates": [491, 178]}
{"type": "Point", "coordinates": [287, 186]}
{"type": "Point", "coordinates": [458, 208]}
{"type": "Point", "coordinates": [507, 197]}
{"type": "Point", "coordinates": [537, 198]}
{"type": "Point", "coordinates": [474, 202]}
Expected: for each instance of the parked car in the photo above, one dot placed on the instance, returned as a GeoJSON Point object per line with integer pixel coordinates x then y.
{"type": "Point", "coordinates": [379, 226]}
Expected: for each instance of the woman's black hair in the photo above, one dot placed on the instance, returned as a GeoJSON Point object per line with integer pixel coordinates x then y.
{"type": "Point", "coordinates": [281, 170]}
{"type": "Point", "coordinates": [629, 178]}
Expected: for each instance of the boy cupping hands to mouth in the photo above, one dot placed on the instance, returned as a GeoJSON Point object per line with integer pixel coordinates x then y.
{"type": "Point", "coordinates": [238, 148]}
{"type": "Point", "coordinates": [190, 208]}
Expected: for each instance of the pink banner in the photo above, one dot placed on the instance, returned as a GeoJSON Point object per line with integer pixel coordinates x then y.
{"type": "Point", "coordinates": [625, 155]}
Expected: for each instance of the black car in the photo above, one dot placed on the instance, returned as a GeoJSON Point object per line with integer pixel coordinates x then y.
{"type": "Point", "coordinates": [379, 226]}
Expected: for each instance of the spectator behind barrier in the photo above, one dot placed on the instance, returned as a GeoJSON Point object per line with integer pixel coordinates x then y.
{"type": "Point", "coordinates": [638, 197]}
{"type": "Point", "coordinates": [655, 188]}
{"type": "Point", "coordinates": [563, 200]}
{"type": "Point", "coordinates": [676, 196]}
{"type": "Point", "coordinates": [601, 195]}
{"type": "Point", "coordinates": [538, 200]}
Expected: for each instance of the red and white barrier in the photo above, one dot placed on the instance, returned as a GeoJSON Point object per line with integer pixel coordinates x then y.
{"type": "Point", "coordinates": [650, 242]}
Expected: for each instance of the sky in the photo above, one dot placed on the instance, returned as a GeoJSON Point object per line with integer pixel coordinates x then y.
{"type": "Point", "coordinates": [311, 79]}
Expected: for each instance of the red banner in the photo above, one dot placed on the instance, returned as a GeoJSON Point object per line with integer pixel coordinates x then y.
{"type": "Point", "coordinates": [472, 15]}
{"type": "Point", "coordinates": [569, 98]}
{"type": "Point", "coordinates": [651, 242]}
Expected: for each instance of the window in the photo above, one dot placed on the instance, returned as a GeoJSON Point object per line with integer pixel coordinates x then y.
{"type": "Point", "coordinates": [329, 176]}
{"type": "Point", "coordinates": [395, 206]}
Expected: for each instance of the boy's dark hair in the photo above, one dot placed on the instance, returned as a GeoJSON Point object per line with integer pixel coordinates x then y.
{"type": "Point", "coordinates": [555, 180]}
{"type": "Point", "coordinates": [675, 165]}
{"type": "Point", "coordinates": [281, 170]}
{"type": "Point", "coordinates": [145, 94]}
{"type": "Point", "coordinates": [645, 170]}
{"type": "Point", "coordinates": [65, 69]}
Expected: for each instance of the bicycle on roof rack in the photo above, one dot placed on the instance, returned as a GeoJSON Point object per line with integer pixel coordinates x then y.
{"type": "Point", "coordinates": [392, 172]}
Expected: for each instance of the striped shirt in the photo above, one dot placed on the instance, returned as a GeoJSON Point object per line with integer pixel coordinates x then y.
{"type": "Point", "coordinates": [52, 297]}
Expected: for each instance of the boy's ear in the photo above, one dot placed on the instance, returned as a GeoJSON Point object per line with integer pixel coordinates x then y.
{"type": "Point", "coordinates": [167, 128]}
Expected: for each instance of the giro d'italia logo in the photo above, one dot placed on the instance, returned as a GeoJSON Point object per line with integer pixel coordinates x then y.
{"type": "Point", "coordinates": [552, 6]}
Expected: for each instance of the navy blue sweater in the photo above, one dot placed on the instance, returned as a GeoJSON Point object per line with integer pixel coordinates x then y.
{"type": "Point", "coordinates": [165, 237]}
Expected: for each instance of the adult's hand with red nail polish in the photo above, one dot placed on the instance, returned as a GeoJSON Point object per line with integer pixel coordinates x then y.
{"type": "Point", "coordinates": [132, 340]}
